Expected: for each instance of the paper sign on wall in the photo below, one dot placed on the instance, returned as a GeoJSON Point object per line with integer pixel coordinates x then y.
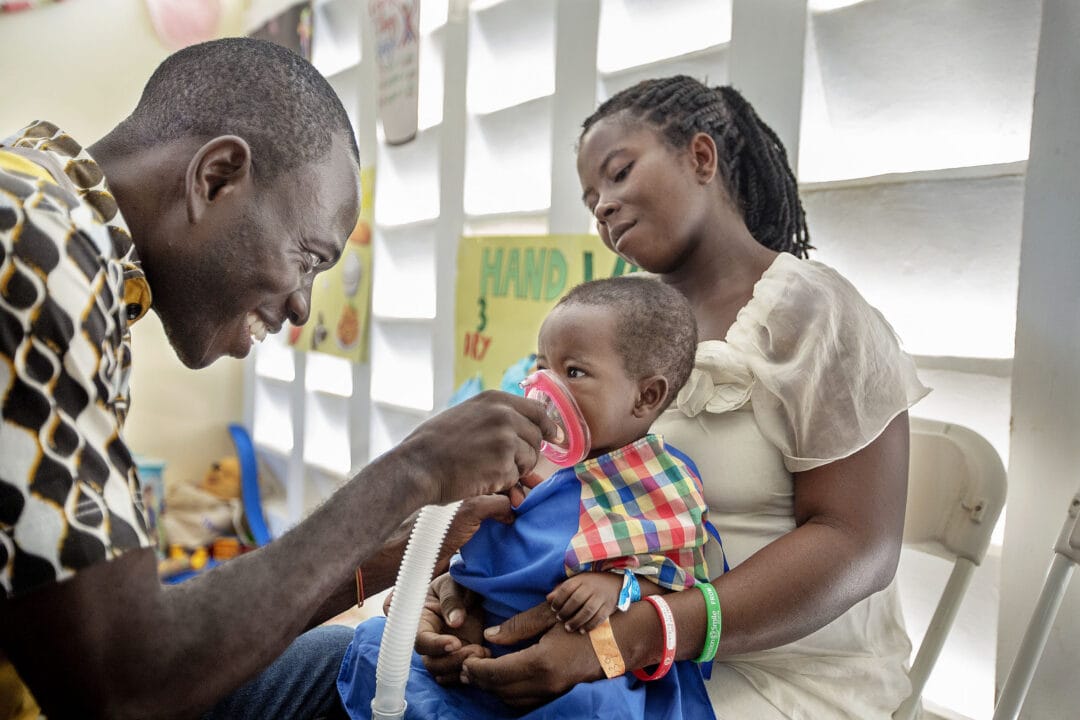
{"type": "Point", "coordinates": [397, 60]}
{"type": "Point", "coordinates": [505, 288]}
{"type": "Point", "coordinates": [341, 296]}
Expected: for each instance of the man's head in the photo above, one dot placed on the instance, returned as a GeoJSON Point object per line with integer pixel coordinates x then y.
{"type": "Point", "coordinates": [624, 347]}
{"type": "Point", "coordinates": [271, 97]}
{"type": "Point", "coordinates": [238, 172]}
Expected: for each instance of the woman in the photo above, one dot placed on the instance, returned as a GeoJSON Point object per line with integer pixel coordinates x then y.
{"type": "Point", "coordinates": [796, 415]}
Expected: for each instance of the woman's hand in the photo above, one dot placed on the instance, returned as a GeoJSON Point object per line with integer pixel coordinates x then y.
{"type": "Point", "coordinates": [450, 630]}
{"type": "Point", "coordinates": [540, 672]}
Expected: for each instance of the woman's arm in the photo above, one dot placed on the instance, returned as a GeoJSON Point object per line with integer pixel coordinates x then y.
{"type": "Point", "coordinates": [850, 519]}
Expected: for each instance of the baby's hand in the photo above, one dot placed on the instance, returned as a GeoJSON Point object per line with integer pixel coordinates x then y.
{"type": "Point", "coordinates": [586, 600]}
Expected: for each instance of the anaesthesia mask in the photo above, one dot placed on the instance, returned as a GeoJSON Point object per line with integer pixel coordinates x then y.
{"type": "Point", "coordinates": [572, 442]}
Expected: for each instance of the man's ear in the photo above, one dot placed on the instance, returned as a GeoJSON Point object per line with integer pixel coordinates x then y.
{"type": "Point", "coordinates": [218, 168]}
{"type": "Point", "coordinates": [704, 155]}
{"type": "Point", "coordinates": [652, 392]}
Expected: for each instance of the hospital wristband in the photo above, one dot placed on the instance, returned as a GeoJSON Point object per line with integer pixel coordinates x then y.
{"type": "Point", "coordinates": [630, 592]}
{"type": "Point", "coordinates": [668, 622]}
{"type": "Point", "coordinates": [607, 650]}
{"type": "Point", "coordinates": [714, 618]}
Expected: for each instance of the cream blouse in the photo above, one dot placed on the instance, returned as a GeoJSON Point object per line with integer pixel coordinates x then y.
{"type": "Point", "coordinates": [809, 373]}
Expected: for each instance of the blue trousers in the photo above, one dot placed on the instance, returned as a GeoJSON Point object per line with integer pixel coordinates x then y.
{"type": "Point", "coordinates": [299, 685]}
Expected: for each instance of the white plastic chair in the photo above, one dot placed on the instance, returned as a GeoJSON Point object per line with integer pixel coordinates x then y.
{"type": "Point", "coordinates": [956, 489]}
{"type": "Point", "coordinates": [1066, 558]}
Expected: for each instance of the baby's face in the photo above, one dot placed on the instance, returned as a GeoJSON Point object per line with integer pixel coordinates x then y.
{"type": "Point", "coordinates": [577, 343]}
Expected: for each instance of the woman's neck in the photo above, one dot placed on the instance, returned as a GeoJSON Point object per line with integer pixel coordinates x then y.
{"type": "Point", "coordinates": [718, 278]}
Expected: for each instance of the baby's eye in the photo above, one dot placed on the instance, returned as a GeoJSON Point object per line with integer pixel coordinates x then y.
{"type": "Point", "coordinates": [621, 175]}
{"type": "Point", "coordinates": [312, 261]}
{"type": "Point", "coordinates": [574, 372]}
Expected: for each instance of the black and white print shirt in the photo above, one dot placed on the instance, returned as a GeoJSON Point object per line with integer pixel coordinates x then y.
{"type": "Point", "coordinates": [70, 285]}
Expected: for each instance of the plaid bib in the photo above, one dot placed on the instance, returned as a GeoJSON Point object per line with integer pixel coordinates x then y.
{"type": "Point", "coordinates": [642, 509]}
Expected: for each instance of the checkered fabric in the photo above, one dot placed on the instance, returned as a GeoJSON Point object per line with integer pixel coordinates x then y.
{"type": "Point", "coordinates": [642, 509]}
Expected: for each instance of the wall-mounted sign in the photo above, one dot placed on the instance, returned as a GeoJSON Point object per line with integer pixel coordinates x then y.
{"type": "Point", "coordinates": [397, 58]}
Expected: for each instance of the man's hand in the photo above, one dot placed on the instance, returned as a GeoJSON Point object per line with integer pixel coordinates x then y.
{"type": "Point", "coordinates": [467, 521]}
{"type": "Point", "coordinates": [450, 631]}
{"type": "Point", "coordinates": [585, 600]}
{"type": "Point", "coordinates": [482, 446]}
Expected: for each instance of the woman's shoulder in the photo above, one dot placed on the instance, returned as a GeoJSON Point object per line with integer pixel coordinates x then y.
{"type": "Point", "coordinates": [797, 298]}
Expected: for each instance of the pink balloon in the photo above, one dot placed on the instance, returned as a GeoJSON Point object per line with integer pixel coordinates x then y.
{"type": "Point", "coordinates": [180, 23]}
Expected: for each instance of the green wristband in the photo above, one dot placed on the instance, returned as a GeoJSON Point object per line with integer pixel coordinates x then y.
{"type": "Point", "coordinates": [712, 630]}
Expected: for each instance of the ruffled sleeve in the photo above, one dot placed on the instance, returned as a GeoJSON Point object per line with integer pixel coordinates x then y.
{"type": "Point", "coordinates": [828, 371]}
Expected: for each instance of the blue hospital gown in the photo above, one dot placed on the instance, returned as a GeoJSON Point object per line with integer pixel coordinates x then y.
{"type": "Point", "coordinates": [514, 567]}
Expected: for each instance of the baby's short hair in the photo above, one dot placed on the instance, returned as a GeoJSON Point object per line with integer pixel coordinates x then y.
{"type": "Point", "coordinates": [656, 333]}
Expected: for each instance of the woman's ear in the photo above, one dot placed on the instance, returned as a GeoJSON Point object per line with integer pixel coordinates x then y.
{"type": "Point", "coordinates": [703, 154]}
{"type": "Point", "coordinates": [652, 393]}
{"type": "Point", "coordinates": [216, 170]}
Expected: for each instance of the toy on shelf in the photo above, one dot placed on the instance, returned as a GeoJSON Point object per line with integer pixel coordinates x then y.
{"type": "Point", "coordinates": [215, 519]}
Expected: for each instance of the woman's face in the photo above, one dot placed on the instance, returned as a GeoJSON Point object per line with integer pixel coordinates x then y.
{"type": "Point", "coordinates": [646, 196]}
{"type": "Point", "coordinates": [578, 343]}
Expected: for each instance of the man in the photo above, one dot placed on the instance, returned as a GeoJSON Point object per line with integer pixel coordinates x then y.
{"type": "Point", "coordinates": [231, 185]}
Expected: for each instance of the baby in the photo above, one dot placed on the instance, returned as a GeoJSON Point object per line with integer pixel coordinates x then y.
{"type": "Point", "coordinates": [626, 522]}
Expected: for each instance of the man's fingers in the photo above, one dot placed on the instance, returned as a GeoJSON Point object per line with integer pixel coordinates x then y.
{"type": "Point", "coordinates": [534, 411]}
{"type": "Point", "coordinates": [525, 457]}
{"type": "Point", "coordinates": [386, 602]}
{"type": "Point", "coordinates": [433, 644]}
{"type": "Point", "coordinates": [451, 601]}
{"type": "Point", "coordinates": [517, 495]}
{"type": "Point", "coordinates": [487, 507]}
{"type": "Point", "coordinates": [447, 668]}
{"type": "Point", "coordinates": [523, 626]}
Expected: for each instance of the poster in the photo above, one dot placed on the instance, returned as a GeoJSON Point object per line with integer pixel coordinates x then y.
{"type": "Point", "coordinates": [395, 25]}
{"type": "Point", "coordinates": [292, 29]}
{"type": "Point", "coordinates": [505, 288]}
{"type": "Point", "coordinates": [341, 296]}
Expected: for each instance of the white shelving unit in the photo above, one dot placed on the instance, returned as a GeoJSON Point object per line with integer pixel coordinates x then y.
{"type": "Point", "coordinates": [910, 122]}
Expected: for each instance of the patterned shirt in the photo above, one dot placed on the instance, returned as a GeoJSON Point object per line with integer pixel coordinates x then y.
{"type": "Point", "coordinates": [642, 509]}
{"type": "Point", "coordinates": [70, 285]}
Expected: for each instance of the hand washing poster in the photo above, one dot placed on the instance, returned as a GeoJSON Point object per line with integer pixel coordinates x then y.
{"type": "Point", "coordinates": [341, 296]}
{"type": "Point", "coordinates": [505, 288]}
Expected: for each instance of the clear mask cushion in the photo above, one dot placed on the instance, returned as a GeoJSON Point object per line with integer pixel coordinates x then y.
{"type": "Point", "coordinates": [572, 442]}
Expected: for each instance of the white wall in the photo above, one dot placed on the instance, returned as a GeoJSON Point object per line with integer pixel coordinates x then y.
{"type": "Point", "coordinates": [1045, 454]}
{"type": "Point", "coordinates": [82, 64]}
{"type": "Point", "coordinates": [915, 122]}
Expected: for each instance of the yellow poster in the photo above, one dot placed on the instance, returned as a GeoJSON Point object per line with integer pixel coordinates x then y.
{"type": "Point", "coordinates": [505, 288]}
{"type": "Point", "coordinates": [341, 296]}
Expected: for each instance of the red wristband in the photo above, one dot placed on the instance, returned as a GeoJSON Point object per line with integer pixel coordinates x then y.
{"type": "Point", "coordinates": [668, 622]}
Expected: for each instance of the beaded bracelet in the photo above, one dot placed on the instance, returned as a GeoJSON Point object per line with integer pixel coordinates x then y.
{"type": "Point", "coordinates": [714, 617]}
{"type": "Point", "coordinates": [668, 620]}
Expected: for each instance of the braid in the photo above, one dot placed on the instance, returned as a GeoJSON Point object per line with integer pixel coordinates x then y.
{"type": "Point", "coordinates": [752, 161]}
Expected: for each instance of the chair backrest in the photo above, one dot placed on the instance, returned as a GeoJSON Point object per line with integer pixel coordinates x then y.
{"type": "Point", "coordinates": [956, 490]}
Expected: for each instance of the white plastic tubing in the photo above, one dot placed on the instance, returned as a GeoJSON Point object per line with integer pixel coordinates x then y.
{"type": "Point", "coordinates": [403, 619]}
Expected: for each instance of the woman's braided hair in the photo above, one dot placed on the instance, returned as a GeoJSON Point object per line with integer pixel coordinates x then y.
{"type": "Point", "coordinates": [752, 160]}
